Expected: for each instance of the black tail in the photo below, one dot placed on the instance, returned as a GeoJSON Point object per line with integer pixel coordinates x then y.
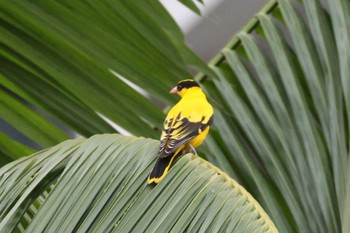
{"type": "Point", "coordinates": [160, 169]}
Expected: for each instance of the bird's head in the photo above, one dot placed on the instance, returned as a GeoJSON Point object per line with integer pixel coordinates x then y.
{"type": "Point", "coordinates": [184, 86]}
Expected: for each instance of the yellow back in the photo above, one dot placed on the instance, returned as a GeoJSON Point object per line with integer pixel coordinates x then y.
{"type": "Point", "coordinates": [193, 105]}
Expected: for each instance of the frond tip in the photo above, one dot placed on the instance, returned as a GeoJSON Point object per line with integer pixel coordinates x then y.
{"type": "Point", "coordinates": [245, 194]}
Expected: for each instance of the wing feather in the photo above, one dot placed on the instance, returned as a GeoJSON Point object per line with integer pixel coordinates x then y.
{"type": "Point", "coordinates": [179, 132]}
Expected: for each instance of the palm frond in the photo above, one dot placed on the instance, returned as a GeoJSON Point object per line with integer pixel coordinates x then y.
{"type": "Point", "coordinates": [282, 115]}
{"type": "Point", "coordinates": [99, 185]}
{"type": "Point", "coordinates": [280, 88]}
{"type": "Point", "coordinates": [62, 58]}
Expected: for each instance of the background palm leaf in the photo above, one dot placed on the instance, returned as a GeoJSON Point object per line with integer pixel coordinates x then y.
{"type": "Point", "coordinates": [280, 88]}
{"type": "Point", "coordinates": [45, 43]}
{"type": "Point", "coordinates": [99, 185]}
{"type": "Point", "coordinates": [283, 108]}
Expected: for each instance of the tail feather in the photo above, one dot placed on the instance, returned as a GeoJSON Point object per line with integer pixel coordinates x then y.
{"type": "Point", "coordinates": [160, 169]}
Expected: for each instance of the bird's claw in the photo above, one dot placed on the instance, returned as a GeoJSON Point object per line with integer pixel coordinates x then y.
{"type": "Point", "coordinates": [192, 149]}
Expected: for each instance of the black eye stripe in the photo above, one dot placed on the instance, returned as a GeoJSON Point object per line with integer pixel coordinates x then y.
{"type": "Point", "coordinates": [186, 84]}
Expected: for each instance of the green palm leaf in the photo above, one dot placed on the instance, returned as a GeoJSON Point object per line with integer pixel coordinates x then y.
{"type": "Point", "coordinates": [50, 60]}
{"type": "Point", "coordinates": [282, 100]}
{"type": "Point", "coordinates": [280, 90]}
{"type": "Point", "coordinates": [99, 185]}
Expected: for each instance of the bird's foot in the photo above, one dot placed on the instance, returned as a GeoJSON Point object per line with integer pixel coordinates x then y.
{"type": "Point", "coordinates": [192, 149]}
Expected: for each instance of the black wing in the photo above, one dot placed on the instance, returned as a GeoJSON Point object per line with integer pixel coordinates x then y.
{"type": "Point", "coordinates": [178, 133]}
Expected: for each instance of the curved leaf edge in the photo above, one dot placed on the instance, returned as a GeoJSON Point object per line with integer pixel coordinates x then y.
{"type": "Point", "coordinates": [248, 197]}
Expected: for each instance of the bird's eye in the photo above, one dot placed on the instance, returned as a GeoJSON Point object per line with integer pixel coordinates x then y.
{"type": "Point", "coordinates": [179, 87]}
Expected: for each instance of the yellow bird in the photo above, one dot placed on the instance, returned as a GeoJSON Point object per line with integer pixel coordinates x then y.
{"type": "Point", "coordinates": [185, 127]}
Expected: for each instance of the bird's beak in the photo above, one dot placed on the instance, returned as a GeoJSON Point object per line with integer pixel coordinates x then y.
{"type": "Point", "coordinates": [174, 90]}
